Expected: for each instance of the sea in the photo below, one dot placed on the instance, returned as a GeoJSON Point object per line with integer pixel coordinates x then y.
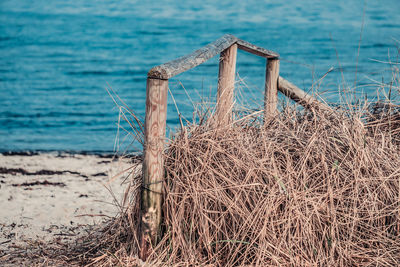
{"type": "Point", "coordinates": [72, 71]}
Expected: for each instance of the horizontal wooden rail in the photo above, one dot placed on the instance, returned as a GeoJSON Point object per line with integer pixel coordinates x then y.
{"type": "Point", "coordinates": [296, 94]}
{"type": "Point", "coordinates": [182, 64]}
{"type": "Point", "coordinates": [253, 49]}
{"type": "Point", "coordinates": [177, 66]}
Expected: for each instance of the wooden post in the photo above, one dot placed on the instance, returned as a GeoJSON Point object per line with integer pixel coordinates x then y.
{"type": "Point", "coordinates": [271, 88]}
{"type": "Point", "coordinates": [226, 85]}
{"type": "Point", "coordinates": [153, 165]}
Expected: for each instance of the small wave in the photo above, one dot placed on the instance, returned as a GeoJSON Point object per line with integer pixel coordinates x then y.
{"type": "Point", "coordinates": [9, 115]}
{"type": "Point", "coordinates": [102, 73]}
{"type": "Point", "coordinates": [377, 45]}
{"type": "Point", "coordinates": [390, 25]}
{"type": "Point", "coordinates": [5, 38]}
{"type": "Point", "coordinates": [152, 33]}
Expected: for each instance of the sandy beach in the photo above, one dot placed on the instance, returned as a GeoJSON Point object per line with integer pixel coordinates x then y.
{"type": "Point", "coordinates": [45, 196]}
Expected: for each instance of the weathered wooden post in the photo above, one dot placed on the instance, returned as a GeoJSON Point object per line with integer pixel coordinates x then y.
{"type": "Point", "coordinates": [153, 165]}
{"type": "Point", "coordinates": [149, 231]}
{"type": "Point", "coordinates": [271, 88]}
{"type": "Point", "coordinates": [226, 85]}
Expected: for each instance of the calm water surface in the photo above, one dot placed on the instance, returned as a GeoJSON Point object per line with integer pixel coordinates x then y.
{"type": "Point", "coordinates": [57, 57]}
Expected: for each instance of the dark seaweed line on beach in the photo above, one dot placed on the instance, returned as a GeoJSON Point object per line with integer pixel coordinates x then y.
{"type": "Point", "coordinates": [14, 171]}
{"type": "Point", "coordinates": [45, 182]}
{"type": "Point", "coordinates": [63, 154]}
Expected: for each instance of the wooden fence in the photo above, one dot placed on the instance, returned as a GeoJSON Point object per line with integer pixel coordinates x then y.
{"type": "Point", "coordinates": [156, 115]}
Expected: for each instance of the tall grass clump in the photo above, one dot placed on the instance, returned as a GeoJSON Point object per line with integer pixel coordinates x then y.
{"type": "Point", "coordinates": [303, 189]}
{"type": "Point", "coordinates": [306, 188]}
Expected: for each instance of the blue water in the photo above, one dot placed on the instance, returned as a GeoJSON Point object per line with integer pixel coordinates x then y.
{"type": "Point", "coordinates": [57, 57]}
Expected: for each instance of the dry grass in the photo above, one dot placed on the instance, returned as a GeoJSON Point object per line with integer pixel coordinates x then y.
{"type": "Point", "coordinates": [305, 189]}
{"type": "Point", "coordinates": [301, 190]}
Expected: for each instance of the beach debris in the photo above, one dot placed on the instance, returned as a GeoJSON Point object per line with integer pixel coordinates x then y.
{"type": "Point", "coordinates": [45, 182]}
{"type": "Point", "coordinates": [14, 171]}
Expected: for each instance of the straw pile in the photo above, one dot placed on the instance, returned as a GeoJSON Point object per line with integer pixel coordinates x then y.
{"type": "Point", "coordinates": [307, 189]}
{"type": "Point", "coordinates": [304, 189]}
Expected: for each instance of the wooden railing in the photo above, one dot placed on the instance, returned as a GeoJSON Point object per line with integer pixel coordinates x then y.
{"type": "Point", "coordinates": [156, 115]}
